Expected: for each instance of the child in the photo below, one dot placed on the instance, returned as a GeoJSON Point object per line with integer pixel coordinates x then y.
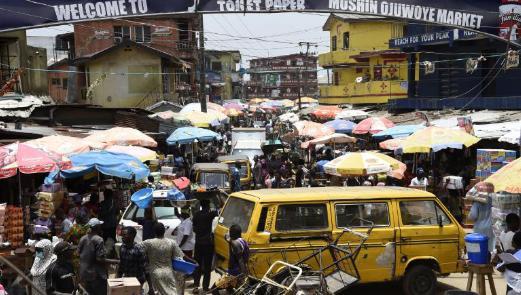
{"type": "Point", "coordinates": [512, 269]}
{"type": "Point", "coordinates": [505, 237]}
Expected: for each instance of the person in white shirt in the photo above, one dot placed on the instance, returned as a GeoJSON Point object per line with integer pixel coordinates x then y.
{"type": "Point", "coordinates": [505, 237]}
{"type": "Point", "coordinates": [420, 180]}
{"type": "Point", "coordinates": [185, 237]}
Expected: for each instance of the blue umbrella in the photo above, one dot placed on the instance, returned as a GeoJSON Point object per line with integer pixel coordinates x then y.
{"type": "Point", "coordinates": [175, 195]}
{"type": "Point", "coordinates": [320, 165]}
{"type": "Point", "coordinates": [341, 126]}
{"type": "Point", "coordinates": [398, 131]}
{"type": "Point", "coordinates": [108, 163]}
{"type": "Point", "coordinates": [187, 135]}
{"type": "Point", "coordinates": [143, 197]}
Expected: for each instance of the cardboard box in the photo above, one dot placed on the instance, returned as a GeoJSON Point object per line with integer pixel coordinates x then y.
{"type": "Point", "coordinates": [123, 286]}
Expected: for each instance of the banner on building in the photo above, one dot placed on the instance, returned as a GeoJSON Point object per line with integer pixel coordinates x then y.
{"type": "Point", "coordinates": [482, 15]}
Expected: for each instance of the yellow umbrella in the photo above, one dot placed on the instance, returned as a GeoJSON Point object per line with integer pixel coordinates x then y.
{"type": "Point", "coordinates": [287, 103]}
{"type": "Point", "coordinates": [507, 178]}
{"type": "Point", "coordinates": [232, 113]}
{"type": "Point", "coordinates": [306, 99]}
{"type": "Point", "coordinates": [205, 120]}
{"type": "Point", "coordinates": [360, 164]}
{"type": "Point", "coordinates": [258, 100]}
{"type": "Point", "coordinates": [437, 138]}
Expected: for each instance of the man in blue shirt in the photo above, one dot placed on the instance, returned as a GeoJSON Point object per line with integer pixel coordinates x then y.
{"type": "Point", "coordinates": [236, 177]}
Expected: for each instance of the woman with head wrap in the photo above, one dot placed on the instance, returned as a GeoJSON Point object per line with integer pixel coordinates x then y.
{"type": "Point", "coordinates": [42, 261]}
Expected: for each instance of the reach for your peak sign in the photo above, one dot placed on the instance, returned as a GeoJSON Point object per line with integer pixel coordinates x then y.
{"type": "Point", "coordinates": [483, 15]}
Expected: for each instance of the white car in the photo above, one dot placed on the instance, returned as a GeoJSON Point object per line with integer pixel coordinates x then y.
{"type": "Point", "coordinates": [164, 211]}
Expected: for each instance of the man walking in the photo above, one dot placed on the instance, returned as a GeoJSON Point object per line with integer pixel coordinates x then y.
{"type": "Point", "coordinates": [93, 272]}
{"type": "Point", "coordinates": [133, 261]}
{"type": "Point", "coordinates": [202, 224]}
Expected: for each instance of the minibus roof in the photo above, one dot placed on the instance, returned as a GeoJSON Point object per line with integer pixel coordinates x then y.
{"type": "Point", "coordinates": [333, 193]}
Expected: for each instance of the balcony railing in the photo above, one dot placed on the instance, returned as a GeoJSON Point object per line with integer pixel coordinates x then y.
{"type": "Point", "coordinates": [368, 92]}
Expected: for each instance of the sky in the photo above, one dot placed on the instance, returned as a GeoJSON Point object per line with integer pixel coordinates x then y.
{"type": "Point", "coordinates": [274, 34]}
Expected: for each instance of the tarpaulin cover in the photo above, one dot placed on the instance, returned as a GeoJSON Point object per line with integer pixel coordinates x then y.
{"type": "Point", "coordinates": [108, 163]}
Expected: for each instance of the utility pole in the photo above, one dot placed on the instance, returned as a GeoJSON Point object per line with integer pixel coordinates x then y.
{"type": "Point", "coordinates": [308, 45]}
{"type": "Point", "coordinates": [202, 66]}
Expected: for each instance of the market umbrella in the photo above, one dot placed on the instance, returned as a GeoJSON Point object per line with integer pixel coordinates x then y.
{"type": "Point", "coordinates": [391, 144]}
{"type": "Point", "coordinates": [312, 129]}
{"type": "Point", "coordinates": [435, 139]}
{"type": "Point", "coordinates": [170, 115]}
{"type": "Point", "coordinates": [306, 99]}
{"type": "Point", "coordinates": [28, 160]}
{"type": "Point", "coordinates": [399, 131]}
{"type": "Point", "coordinates": [326, 112]}
{"type": "Point", "coordinates": [507, 179]}
{"type": "Point", "coordinates": [233, 112]}
{"type": "Point", "coordinates": [329, 139]}
{"type": "Point", "coordinates": [373, 125]}
{"type": "Point", "coordinates": [359, 164]}
{"type": "Point", "coordinates": [233, 105]}
{"type": "Point", "coordinates": [208, 119]}
{"type": "Point", "coordinates": [341, 126]}
{"type": "Point", "coordinates": [257, 100]}
{"type": "Point", "coordinates": [272, 104]}
{"type": "Point", "coordinates": [187, 135]}
{"type": "Point", "coordinates": [122, 136]}
{"type": "Point", "coordinates": [397, 168]}
{"type": "Point", "coordinates": [196, 107]}
{"type": "Point", "coordinates": [352, 115]}
{"type": "Point", "coordinates": [64, 145]}
{"type": "Point", "coordinates": [143, 154]}
{"type": "Point", "coordinates": [287, 103]}
{"type": "Point", "coordinates": [108, 163]}
{"type": "Point", "coordinates": [320, 165]}
{"type": "Point", "coordinates": [289, 117]}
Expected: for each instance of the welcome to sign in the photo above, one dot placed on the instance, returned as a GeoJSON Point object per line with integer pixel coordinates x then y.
{"type": "Point", "coordinates": [482, 15]}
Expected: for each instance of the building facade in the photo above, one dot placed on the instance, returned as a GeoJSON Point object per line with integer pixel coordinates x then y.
{"type": "Point", "coordinates": [223, 79]}
{"type": "Point", "coordinates": [362, 69]}
{"type": "Point", "coordinates": [15, 54]}
{"type": "Point", "coordinates": [283, 76]}
{"type": "Point", "coordinates": [132, 63]}
{"type": "Point", "coordinates": [455, 68]}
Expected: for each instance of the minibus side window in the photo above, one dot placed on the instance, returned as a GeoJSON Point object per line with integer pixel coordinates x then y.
{"type": "Point", "coordinates": [353, 215]}
{"type": "Point", "coordinates": [297, 217]}
{"type": "Point", "coordinates": [261, 226]}
{"type": "Point", "coordinates": [237, 211]}
{"type": "Point", "coordinates": [422, 213]}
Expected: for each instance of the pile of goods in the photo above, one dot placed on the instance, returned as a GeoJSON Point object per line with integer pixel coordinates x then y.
{"type": "Point", "coordinates": [13, 225]}
{"type": "Point", "coordinates": [489, 161]}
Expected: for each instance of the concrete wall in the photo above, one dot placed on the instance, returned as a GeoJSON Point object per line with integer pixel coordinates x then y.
{"type": "Point", "coordinates": [124, 90]}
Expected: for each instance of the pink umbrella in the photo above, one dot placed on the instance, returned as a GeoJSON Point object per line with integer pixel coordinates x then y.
{"type": "Point", "coordinates": [233, 105]}
{"type": "Point", "coordinates": [312, 129]}
{"type": "Point", "coordinates": [122, 136]}
{"type": "Point", "coordinates": [28, 160]}
{"type": "Point", "coordinates": [64, 145]}
{"type": "Point", "coordinates": [373, 125]}
{"type": "Point", "coordinates": [326, 112]}
{"type": "Point", "coordinates": [329, 139]}
{"type": "Point", "coordinates": [391, 144]}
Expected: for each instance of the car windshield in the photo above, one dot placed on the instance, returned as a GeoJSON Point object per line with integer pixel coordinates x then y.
{"type": "Point", "coordinates": [163, 209]}
{"type": "Point", "coordinates": [212, 179]}
{"type": "Point", "coordinates": [243, 171]}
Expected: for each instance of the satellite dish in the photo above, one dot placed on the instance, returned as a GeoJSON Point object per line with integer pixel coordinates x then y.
{"type": "Point", "coordinates": [359, 79]}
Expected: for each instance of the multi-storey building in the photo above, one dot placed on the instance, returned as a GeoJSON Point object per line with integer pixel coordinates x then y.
{"type": "Point", "coordinates": [223, 79]}
{"type": "Point", "coordinates": [364, 70]}
{"type": "Point", "coordinates": [283, 76]}
{"type": "Point", "coordinates": [131, 62]}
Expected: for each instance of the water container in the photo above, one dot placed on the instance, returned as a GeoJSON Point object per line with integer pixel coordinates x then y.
{"type": "Point", "coordinates": [183, 266]}
{"type": "Point", "coordinates": [477, 248]}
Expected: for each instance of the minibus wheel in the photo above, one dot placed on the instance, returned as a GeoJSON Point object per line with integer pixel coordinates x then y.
{"type": "Point", "coordinates": [419, 280]}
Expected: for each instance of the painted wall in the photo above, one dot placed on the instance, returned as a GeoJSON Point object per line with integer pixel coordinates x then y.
{"type": "Point", "coordinates": [124, 90]}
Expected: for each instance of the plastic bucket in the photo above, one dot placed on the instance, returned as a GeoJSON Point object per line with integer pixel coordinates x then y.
{"type": "Point", "coordinates": [143, 197]}
{"type": "Point", "coordinates": [477, 248]}
{"type": "Point", "coordinates": [183, 266]}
